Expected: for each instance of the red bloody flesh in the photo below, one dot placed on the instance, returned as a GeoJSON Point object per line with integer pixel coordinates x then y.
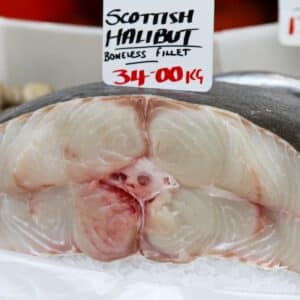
{"type": "Point", "coordinates": [110, 219]}
{"type": "Point", "coordinates": [110, 211]}
{"type": "Point", "coordinates": [143, 179]}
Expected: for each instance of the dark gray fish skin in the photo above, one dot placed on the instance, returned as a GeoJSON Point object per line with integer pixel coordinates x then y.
{"type": "Point", "coordinates": [261, 79]}
{"type": "Point", "coordinates": [277, 110]}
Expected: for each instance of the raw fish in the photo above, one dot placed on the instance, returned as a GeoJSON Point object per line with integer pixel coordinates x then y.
{"type": "Point", "coordinates": [117, 175]}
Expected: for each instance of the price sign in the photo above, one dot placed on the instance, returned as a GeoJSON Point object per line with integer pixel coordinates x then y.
{"type": "Point", "coordinates": [289, 22]}
{"type": "Point", "coordinates": [158, 44]}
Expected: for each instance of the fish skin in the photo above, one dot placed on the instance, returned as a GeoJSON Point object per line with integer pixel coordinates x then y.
{"type": "Point", "coordinates": [261, 79]}
{"type": "Point", "coordinates": [273, 108]}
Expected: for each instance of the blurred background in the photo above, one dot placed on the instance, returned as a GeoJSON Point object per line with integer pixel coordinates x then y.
{"type": "Point", "coordinates": [229, 13]}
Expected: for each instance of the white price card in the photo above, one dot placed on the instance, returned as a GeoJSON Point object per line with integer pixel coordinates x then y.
{"type": "Point", "coordinates": [166, 44]}
{"type": "Point", "coordinates": [289, 22]}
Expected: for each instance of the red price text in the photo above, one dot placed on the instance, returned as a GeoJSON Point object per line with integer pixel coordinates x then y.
{"type": "Point", "coordinates": [161, 75]}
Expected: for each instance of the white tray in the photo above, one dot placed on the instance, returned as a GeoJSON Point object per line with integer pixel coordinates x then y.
{"type": "Point", "coordinates": [57, 54]}
{"type": "Point", "coordinates": [65, 55]}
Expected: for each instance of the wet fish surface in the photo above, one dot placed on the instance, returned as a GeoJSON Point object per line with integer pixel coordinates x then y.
{"type": "Point", "coordinates": [261, 79]}
{"type": "Point", "coordinates": [129, 171]}
{"type": "Point", "coordinates": [275, 109]}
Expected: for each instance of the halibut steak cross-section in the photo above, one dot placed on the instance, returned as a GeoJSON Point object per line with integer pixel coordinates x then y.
{"type": "Point", "coordinates": [113, 176]}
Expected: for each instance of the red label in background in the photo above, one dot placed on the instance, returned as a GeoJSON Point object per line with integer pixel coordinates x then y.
{"type": "Point", "coordinates": [292, 26]}
{"type": "Point", "coordinates": [289, 22]}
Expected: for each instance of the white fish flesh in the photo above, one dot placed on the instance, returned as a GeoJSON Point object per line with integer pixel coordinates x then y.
{"type": "Point", "coordinates": [113, 176]}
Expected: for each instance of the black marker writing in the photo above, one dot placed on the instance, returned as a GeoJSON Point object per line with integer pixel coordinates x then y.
{"type": "Point", "coordinates": [116, 16]}
{"type": "Point", "coordinates": [160, 36]}
{"type": "Point", "coordinates": [127, 32]}
{"type": "Point", "coordinates": [108, 56]}
{"type": "Point", "coordinates": [160, 52]}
